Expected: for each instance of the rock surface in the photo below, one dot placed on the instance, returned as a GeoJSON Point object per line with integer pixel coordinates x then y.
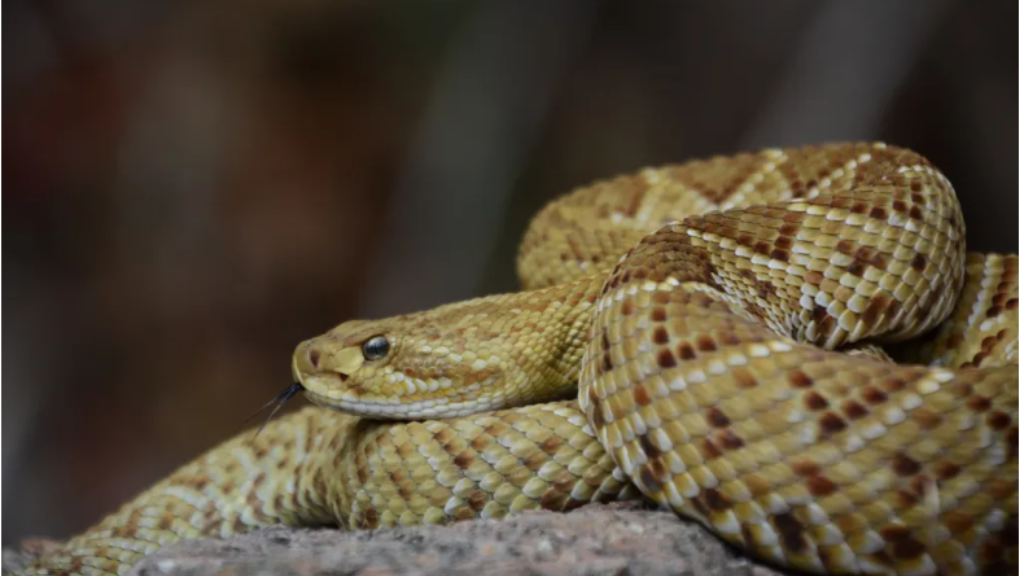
{"type": "Point", "coordinates": [613, 540]}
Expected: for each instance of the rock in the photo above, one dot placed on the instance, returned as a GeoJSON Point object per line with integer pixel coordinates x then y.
{"type": "Point", "coordinates": [613, 540]}
{"type": "Point", "coordinates": [27, 551]}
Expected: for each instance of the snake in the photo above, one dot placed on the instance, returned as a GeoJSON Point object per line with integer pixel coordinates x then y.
{"type": "Point", "coordinates": [792, 348]}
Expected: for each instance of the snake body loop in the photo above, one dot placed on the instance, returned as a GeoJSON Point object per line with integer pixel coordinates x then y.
{"type": "Point", "coordinates": [718, 323]}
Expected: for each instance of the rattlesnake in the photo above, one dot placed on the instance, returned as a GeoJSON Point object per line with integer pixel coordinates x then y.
{"type": "Point", "coordinates": [719, 318]}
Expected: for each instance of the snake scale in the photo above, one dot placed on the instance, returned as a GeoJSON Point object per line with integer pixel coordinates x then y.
{"type": "Point", "coordinates": [704, 335]}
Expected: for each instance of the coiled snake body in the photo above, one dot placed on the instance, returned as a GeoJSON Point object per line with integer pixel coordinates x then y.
{"type": "Point", "coordinates": [717, 317]}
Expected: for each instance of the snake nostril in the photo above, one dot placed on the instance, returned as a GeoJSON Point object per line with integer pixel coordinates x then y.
{"type": "Point", "coordinates": [314, 358]}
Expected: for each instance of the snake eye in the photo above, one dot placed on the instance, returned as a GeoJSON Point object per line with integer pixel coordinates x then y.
{"type": "Point", "coordinates": [376, 348]}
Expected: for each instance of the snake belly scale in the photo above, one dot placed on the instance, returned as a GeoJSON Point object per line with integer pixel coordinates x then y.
{"type": "Point", "coordinates": [703, 335]}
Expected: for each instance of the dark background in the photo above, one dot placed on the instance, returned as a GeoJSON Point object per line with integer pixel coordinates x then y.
{"type": "Point", "coordinates": [194, 187]}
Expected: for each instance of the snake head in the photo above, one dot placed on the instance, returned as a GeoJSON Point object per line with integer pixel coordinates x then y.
{"type": "Point", "coordinates": [451, 361]}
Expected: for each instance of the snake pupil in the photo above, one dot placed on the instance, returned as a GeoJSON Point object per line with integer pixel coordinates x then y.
{"type": "Point", "coordinates": [376, 348]}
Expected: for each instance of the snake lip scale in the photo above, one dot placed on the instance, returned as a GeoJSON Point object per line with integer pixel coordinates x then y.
{"type": "Point", "coordinates": [707, 336]}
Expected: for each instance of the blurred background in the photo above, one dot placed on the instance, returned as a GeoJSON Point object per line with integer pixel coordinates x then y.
{"type": "Point", "coordinates": [194, 187]}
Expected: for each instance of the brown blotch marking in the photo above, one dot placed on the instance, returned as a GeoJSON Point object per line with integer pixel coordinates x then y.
{"type": "Point", "coordinates": [648, 481]}
{"type": "Point", "coordinates": [666, 359]}
{"type": "Point", "coordinates": [744, 378]}
{"type": "Point", "coordinates": [815, 401]}
{"type": "Point", "coordinates": [819, 485]}
{"type": "Point", "coordinates": [899, 206]}
{"type": "Point", "coordinates": [551, 445]}
{"type": "Point", "coordinates": [919, 262]}
{"type": "Point", "coordinates": [907, 498]}
{"type": "Point", "coordinates": [551, 499]}
{"type": "Point", "coordinates": [662, 298]}
{"type": "Point", "coordinates": [854, 410]}
{"type": "Point", "coordinates": [789, 229]}
{"type": "Point", "coordinates": [999, 419]}
{"type": "Point", "coordinates": [863, 253]}
{"type": "Point", "coordinates": [762, 247]}
{"type": "Point", "coordinates": [894, 383]}
{"type": "Point", "coordinates": [717, 418]}
{"type": "Point", "coordinates": [979, 403]}
{"type": "Point", "coordinates": [686, 352]}
{"type": "Point", "coordinates": [905, 465]}
{"type": "Point", "coordinates": [856, 268]}
{"type": "Point", "coordinates": [819, 313]}
{"type": "Point", "coordinates": [499, 428]}
{"type": "Point", "coordinates": [1011, 439]}
{"type": "Point", "coordinates": [640, 395]}
{"type": "Point", "coordinates": [873, 312]}
{"type": "Point", "coordinates": [915, 213]}
{"type": "Point", "coordinates": [706, 344]}
{"type": "Point", "coordinates": [444, 435]}
{"type": "Point", "coordinates": [904, 546]}
{"type": "Point", "coordinates": [872, 395]}
{"type": "Point", "coordinates": [791, 531]}
{"type": "Point", "coordinates": [652, 451]}
{"type": "Point", "coordinates": [596, 414]}
{"type": "Point", "coordinates": [878, 213]}
{"type": "Point", "coordinates": [961, 389]}
{"type": "Point", "coordinates": [714, 499]}
{"type": "Point", "coordinates": [805, 468]}
{"type": "Point", "coordinates": [565, 482]}
{"type": "Point", "coordinates": [945, 470]}
{"type": "Point", "coordinates": [1001, 489]}
{"type": "Point", "coordinates": [699, 506]}
{"type": "Point", "coordinates": [845, 247]}
{"type": "Point", "coordinates": [926, 418]}
{"type": "Point", "coordinates": [370, 518]}
{"type": "Point", "coordinates": [199, 482]}
{"type": "Point", "coordinates": [627, 307]}
{"type": "Point", "coordinates": [779, 254]}
{"type": "Point", "coordinates": [1011, 304]}
{"type": "Point", "coordinates": [729, 440]}
{"type": "Point", "coordinates": [784, 242]}
{"type": "Point", "coordinates": [799, 379]}
{"type": "Point", "coordinates": [748, 536]}
{"type": "Point", "coordinates": [709, 450]}
{"type": "Point", "coordinates": [606, 363]}
{"type": "Point", "coordinates": [660, 335]}
{"type": "Point", "coordinates": [878, 260]}
{"type": "Point", "coordinates": [814, 278]}
{"type": "Point", "coordinates": [659, 314]}
{"type": "Point", "coordinates": [831, 423]}
{"type": "Point", "coordinates": [859, 208]}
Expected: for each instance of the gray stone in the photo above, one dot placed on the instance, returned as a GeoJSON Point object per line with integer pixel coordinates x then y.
{"type": "Point", "coordinates": [614, 540]}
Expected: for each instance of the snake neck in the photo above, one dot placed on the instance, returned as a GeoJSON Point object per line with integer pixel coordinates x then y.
{"type": "Point", "coordinates": [547, 331]}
